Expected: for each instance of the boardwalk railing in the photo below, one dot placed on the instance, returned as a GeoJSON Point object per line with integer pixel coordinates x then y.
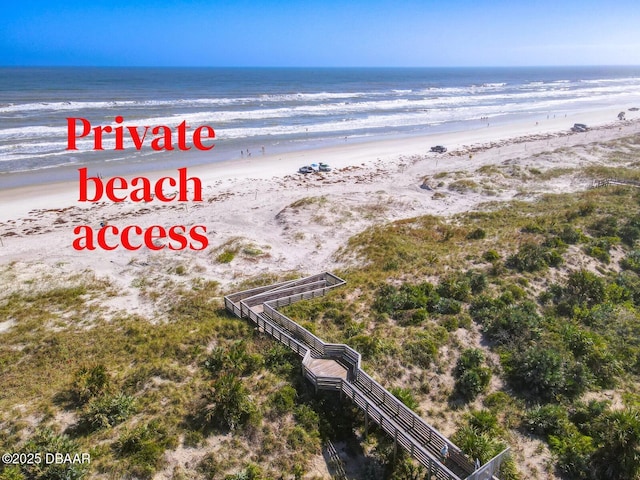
{"type": "Point", "coordinates": [615, 181]}
{"type": "Point", "coordinates": [422, 441]}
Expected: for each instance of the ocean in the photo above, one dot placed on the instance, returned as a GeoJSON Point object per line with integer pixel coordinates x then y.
{"type": "Point", "coordinates": [258, 111]}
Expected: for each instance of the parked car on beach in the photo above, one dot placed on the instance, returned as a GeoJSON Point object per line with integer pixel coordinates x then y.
{"type": "Point", "coordinates": [579, 127]}
{"type": "Point", "coordinates": [324, 167]}
{"type": "Point", "coordinates": [439, 149]}
{"type": "Point", "coordinates": [306, 169]}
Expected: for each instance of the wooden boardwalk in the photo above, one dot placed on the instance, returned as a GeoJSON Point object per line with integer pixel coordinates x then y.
{"type": "Point", "coordinates": [615, 181]}
{"type": "Point", "coordinates": [337, 367]}
{"type": "Point", "coordinates": [322, 367]}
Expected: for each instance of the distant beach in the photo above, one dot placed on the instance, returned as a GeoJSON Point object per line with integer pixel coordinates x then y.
{"type": "Point", "coordinates": [259, 113]}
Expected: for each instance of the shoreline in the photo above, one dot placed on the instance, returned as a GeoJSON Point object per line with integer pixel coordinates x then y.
{"type": "Point", "coordinates": [19, 201]}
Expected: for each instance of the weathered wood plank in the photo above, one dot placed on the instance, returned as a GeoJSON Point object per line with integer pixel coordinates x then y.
{"type": "Point", "coordinates": [327, 368]}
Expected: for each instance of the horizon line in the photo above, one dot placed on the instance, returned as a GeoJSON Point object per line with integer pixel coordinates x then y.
{"type": "Point", "coordinates": [327, 66]}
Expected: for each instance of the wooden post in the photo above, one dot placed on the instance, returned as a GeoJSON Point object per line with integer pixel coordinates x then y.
{"type": "Point", "coordinates": [395, 445]}
{"type": "Point", "coordinates": [366, 421]}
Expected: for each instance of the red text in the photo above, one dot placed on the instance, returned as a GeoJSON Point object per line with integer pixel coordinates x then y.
{"type": "Point", "coordinates": [163, 136]}
{"type": "Point", "coordinates": [134, 237]}
{"type": "Point", "coordinates": [116, 188]}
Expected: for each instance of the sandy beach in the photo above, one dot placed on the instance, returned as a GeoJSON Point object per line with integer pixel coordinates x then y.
{"type": "Point", "coordinates": [258, 205]}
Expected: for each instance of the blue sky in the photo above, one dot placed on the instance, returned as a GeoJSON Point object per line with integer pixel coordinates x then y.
{"type": "Point", "coordinates": [313, 33]}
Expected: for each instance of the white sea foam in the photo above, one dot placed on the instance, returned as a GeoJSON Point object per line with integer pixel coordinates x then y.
{"type": "Point", "coordinates": [35, 132]}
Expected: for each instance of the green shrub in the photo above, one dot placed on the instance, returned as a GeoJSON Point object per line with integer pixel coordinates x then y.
{"type": "Point", "coordinates": [406, 397]}
{"type": "Point", "coordinates": [554, 242]}
{"type": "Point", "coordinates": [284, 400]}
{"type": "Point", "coordinates": [529, 258]}
{"type": "Point", "coordinates": [618, 439]}
{"type": "Point", "coordinates": [422, 349]}
{"type": "Point", "coordinates": [390, 299]}
{"type": "Point", "coordinates": [533, 227]}
{"type": "Point", "coordinates": [554, 259]}
{"type": "Point", "coordinates": [547, 373]}
{"type": "Point", "coordinates": [450, 323]}
{"type": "Point", "coordinates": [229, 405]}
{"type": "Point", "coordinates": [234, 359]}
{"type": "Point", "coordinates": [532, 257]}
{"type": "Point", "coordinates": [210, 466]}
{"type": "Point", "coordinates": [457, 287]}
{"type": "Point", "coordinates": [483, 421]}
{"type": "Point", "coordinates": [12, 472]}
{"type": "Point", "coordinates": [297, 438]}
{"type": "Point", "coordinates": [586, 209]}
{"type": "Point", "coordinates": [477, 234]}
{"type": "Point", "coordinates": [369, 346]}
{"type": "Point", "coordinates": [477, 445]}
{"type": "Point", "coordinates": [44, 440]}
{"type": "Point", "coordinates": [90, 382]}
{"type": "Point", "coordinates": [586, 415]}
{"type": "Point", "coordinates": [108, 410]}
{"type": "Point", "coordinates": [143, 447]}
{"type": "Point", "coordinates": [599, 250]}
{"type": "Point", "coordinates": [469, 359]}
{"type": "Point", "coordinates": [630, 282]}
{"type": "Point", "coordinates": [412, 317]}
{"type": "Point", "coordinates": [570, 235]}
{"type": "Point", "coordinates": [477, 281]}
{"type": "Point", "coordinates": [251, 472]}
{"type": "Point", "coordinates": [505, 323]}
{"type": "Point", "coordinates": [598, 316]}
{"type": "Point", "coordinates": [226, 257]}
{"type": "Point", "coordinates": [339, 316]}
{"type": "Point", "coordinates": [462, 186]}
{"type": "Point", "coordinates": [573, 452]}
{"type": "Point", "coordinates": [281, 360]}
{"type": "Point", "coordinates": [582, 288]}
{"type": "Point", "coordinates": [631, 261]}
{"type": "Point", "coordinates": [472, 382]}
{"type": "Point", "coordinates": [472, 378]}
{"type": "Point", "coordinates": [306, 417]}
{"type": "Point", "coordinates": [448, 306]}
{"type": "Point", "coordinates": [497, 400]}
{"type": "Point", "coordinates": [547, 420]}
{"type": "Point", "coordinates": [630, 234]}
{"type": "Point", "coordinates": [592, 349]}
{"type": "Point", "coordinates": [352, 329]}
{"type": "Point", "coordinates": [490, 256]}
{"type": "Point", "coordinates": [604, 227]}
{"type": "Point", "coordinates": [515, 292]}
